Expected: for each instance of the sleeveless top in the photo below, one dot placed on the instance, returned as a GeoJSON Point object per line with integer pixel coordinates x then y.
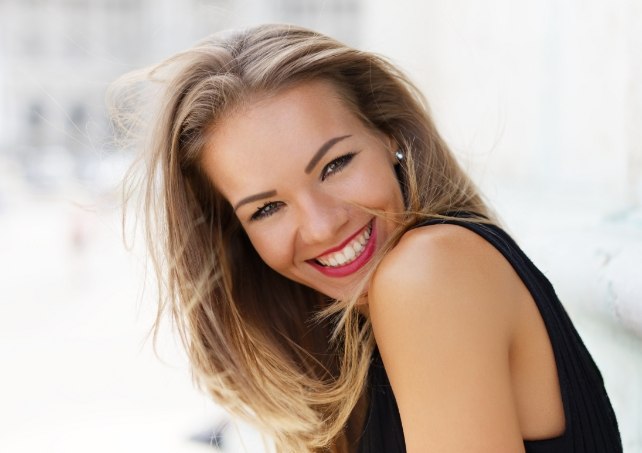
{"type": "Point", "coordinates": [591, 426]}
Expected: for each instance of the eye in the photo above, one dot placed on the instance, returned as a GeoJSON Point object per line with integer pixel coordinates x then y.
{"type": "Point", "coordinates": [336, 165]}
{"type": "Point", "coordinates": [269, 208]}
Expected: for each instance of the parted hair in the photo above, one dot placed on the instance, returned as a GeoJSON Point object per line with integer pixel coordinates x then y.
{"type": "Point", "coordinates": [277, 353]}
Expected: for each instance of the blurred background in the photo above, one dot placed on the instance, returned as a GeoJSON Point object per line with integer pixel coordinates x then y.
{"type": "Point", "coordinates": [542, 102]}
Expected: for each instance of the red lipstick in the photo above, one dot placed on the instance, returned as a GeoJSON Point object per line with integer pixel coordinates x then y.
{"type": "Point", "coordinates": [357, 263]}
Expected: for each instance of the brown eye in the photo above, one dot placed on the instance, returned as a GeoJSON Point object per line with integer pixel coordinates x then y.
{"type": "Point", "coordinates": [336, 165]}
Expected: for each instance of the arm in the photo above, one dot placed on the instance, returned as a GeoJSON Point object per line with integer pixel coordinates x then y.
{"type": "Point", "coordinates": [441, 305]}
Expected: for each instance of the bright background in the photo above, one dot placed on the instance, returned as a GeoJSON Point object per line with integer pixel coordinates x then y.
{"type": "Point", "coordinates": [542, 101]}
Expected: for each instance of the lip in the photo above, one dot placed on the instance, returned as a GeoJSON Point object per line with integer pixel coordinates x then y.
{"type": "Point", "coordinates": [358, 263]}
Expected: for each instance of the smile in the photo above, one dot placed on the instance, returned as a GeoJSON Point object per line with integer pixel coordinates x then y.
{"type": "Point", "coordinates": [350, 256]}
{"type": "Point", "coordinates": [349, 253]}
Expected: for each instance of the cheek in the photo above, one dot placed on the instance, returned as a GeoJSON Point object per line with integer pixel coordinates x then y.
{"type": "Point", "coordinates": [377, 189]}
{"type": "Point", "coordinates": [273, 248]}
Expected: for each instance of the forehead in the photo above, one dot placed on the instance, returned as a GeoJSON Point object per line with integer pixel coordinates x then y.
{"type": "Point", "coordinates": [272, 134]}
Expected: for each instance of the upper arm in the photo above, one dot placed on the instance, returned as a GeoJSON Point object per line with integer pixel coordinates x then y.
{"type": "Point", "coordinates": [440, 306]}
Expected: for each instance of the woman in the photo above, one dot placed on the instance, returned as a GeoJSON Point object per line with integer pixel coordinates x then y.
{"type": "Point", "coordinates": [335, 276]}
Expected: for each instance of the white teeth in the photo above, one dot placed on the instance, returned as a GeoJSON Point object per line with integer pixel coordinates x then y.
{"type": "Point", "coordinates": [349, 253]}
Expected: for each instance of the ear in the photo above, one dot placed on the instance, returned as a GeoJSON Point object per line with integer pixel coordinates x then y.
{"type": "Point", "coordinates": [392, 147]}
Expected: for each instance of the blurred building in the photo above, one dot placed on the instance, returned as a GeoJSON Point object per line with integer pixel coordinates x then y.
{"type": "Point", "coordinates": [58, 56]}
{"type": "Point", "coordinates": [341, 19]}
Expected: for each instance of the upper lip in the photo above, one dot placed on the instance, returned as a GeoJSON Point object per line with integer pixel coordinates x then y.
{"type": "Point", "coordinates": [344, 243]}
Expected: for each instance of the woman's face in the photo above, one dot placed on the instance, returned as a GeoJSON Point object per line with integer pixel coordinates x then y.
{"type": "Point", "coordinates": [297, 166]}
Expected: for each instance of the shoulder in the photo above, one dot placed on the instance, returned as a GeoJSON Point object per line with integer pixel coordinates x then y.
{"type": "Point", "coordinates": [442, 307]}
{"type": "Point", "coordinates": [442, 271]}
{"type": "Point", "coordinates": [443, 259]}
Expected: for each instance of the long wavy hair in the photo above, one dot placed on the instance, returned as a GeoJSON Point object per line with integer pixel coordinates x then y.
{"type": "Point", "coordinates": [255, 339]}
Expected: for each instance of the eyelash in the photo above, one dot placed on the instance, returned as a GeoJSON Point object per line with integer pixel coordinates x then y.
{"type": "Point", "coordinates": [269, 208]}
{"type": "Point", "coordinates": [339, 164]}
{"type": "Point", "coordinates": [272, 207]}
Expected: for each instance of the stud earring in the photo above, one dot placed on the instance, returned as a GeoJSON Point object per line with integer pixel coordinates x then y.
{"type": "Point", "coordinates": [399, 155]}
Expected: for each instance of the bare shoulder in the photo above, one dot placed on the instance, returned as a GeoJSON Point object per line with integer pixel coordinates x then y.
{"type": "Point", "coordinates": [443, 313]}
{"type": "Point", "coordinates": [442, 258]}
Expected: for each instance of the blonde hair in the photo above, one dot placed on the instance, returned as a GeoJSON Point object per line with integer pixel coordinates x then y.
{"type": "Point", "coordinates": [254, 338]}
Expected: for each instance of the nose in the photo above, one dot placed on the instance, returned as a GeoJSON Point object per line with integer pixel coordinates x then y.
{"type": "Point", "coordinates": [320, 218]}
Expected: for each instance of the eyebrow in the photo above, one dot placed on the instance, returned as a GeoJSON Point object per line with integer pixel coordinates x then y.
{"type": "Point", "coordinates": [258, 196]}
{"type": "Point", "coordinates": [315, 160]}
{"type": "Point", "coordinates": [321, 152]}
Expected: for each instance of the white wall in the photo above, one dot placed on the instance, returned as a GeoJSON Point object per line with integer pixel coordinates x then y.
{"type": "Point", "coordinates": [541, 93]}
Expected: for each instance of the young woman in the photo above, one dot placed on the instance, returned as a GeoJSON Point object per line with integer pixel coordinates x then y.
{"type": "Point", "coordinates": [335, 276]}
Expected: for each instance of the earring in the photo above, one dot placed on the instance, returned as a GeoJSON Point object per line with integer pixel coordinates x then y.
{"type": "Point", "coordinates": [399, 155]}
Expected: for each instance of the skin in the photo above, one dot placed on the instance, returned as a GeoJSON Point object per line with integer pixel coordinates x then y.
{"type": "Point", "coordinates": [448, 309]}
{"type": "Point", "coordinates": [283, 156]}
{"type": "Point", "coordinates": [465, 348]}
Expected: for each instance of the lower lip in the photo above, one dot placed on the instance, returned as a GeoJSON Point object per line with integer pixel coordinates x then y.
{"type": "Point", "coordinates": [354, 266]}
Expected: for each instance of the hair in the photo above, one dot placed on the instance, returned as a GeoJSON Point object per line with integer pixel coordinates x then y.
{"type": "Point", "coordinates": [255, 340]}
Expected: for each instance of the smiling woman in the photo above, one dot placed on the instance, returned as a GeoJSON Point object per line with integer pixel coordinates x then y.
{"type": "Point", "coordinates": [336, 278]}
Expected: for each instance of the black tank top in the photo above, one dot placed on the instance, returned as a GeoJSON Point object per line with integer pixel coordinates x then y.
{"type": "Point", "coordinates": [591, 426]}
